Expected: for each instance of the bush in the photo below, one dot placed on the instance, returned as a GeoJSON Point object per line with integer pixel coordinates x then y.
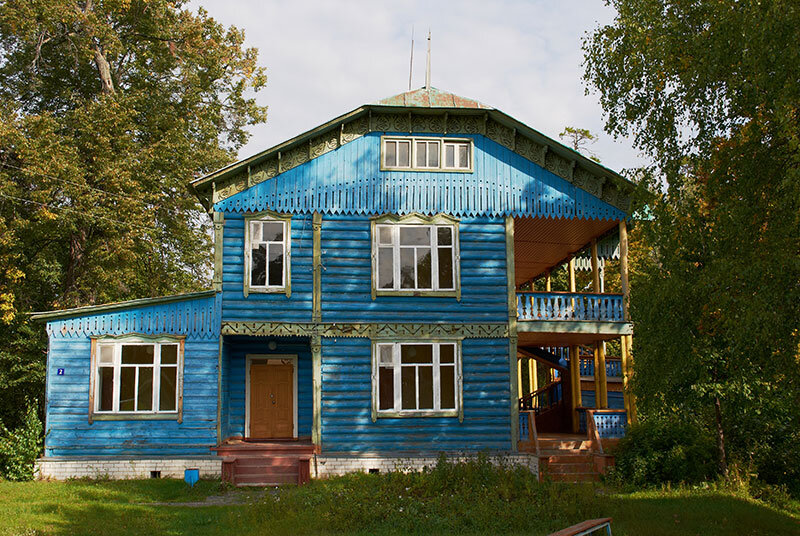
{"type": "Point", "coordinates": [663, 451]}
{"type": "Point", "coordinates": [20, 448]}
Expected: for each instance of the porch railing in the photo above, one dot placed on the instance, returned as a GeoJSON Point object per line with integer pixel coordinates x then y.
{"type": "Point", "coordinates": [613, 367]}
{"type": "Point", "coordinates": [609, 423]}
{"type": "Point", "coordinates": [570, 306]}
{"type": "Point", "coordinates": [543, 398]}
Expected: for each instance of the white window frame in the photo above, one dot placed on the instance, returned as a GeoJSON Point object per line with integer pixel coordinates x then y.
{"type": "Point", "coordinates": [116, 344]}
{"type": "Point", "coordinates": [272, 217]}
{"type": "Point", "coordinates": [440, 143]}
{"type": "Point", "coordinates": [395, 223]}
{"type": "Point", "coordinates": [397, 410]}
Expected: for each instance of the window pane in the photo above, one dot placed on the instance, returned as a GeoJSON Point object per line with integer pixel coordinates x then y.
{"type": "Point", "coordinates": [415, 236]}
{"type": "Point", "coordinates": [390, 154]}
{"type": "Point", "coordinates": [447, 353]}
{"type": "Point", "coordinates": [107, 355]}
{"type": "Point", "coordinates": [127, 388]}
{"type": "Point", "coordinates": [137, 354]}
{"type": "Point", "coordinates": [258, 266]}
{"type": "Point", "coordinates": [385, 268]}
{"type": "Point", "coordinates": [433, 154]}
{"type": "Point", "coordinates": [445, 268]}
{"type": "Point", "coordinates": [106, 390]}
{"type": "Point", "coordinates": [385, 235]}
{"type": "Point", "coordinates": [386, 388]}
{"type": "Point", "coordinates": [422, 153]}
{"type": "Point", "coordinates": [168, 389]}
{"type": "Point", "coordinates": [169, 354]}
{"type": "Point", "coordinates": [408, 381]}
{"type": "Point", "coordinates": [404, 154]}
{"type": "Point", "coordinates": [407, 268]}
{"type": "Point", "coordinates": [450, 155]}
{"type": "Point", "coordinates": [416, 353]}
{"type": "Point", "coordinates": [273, 231]}
{"type": "Point", "coordinates": [255, 232]}
{"type": "Point", "coordinates": [424, 268]}
{"type": "Point", "coordinates": [447, 388]}
{"type": "Point", "coordinates": [275, 265]}
{"type": "Point", "coordinates": [385, 354]}
{"type": "Point", "coordinates": [463, 155]}
{"type": "Point", "coordinates": [144, 395]}
{"type": "Point", "coordinates": [444, 236]}
{"type": "Point", "coordinates": [425, 387]}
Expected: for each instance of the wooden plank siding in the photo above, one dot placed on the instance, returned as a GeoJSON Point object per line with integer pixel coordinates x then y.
{"type": "Point", "coordinates": [349, 180]}
{"type": "Point", "coordinates": [236, 350]}
{"type": "Point", "coordinates": [68, 431]}
{"type": "Point", "coordinates": [347, 277]}
{"type": "Point", "coordinates": [347, 425]}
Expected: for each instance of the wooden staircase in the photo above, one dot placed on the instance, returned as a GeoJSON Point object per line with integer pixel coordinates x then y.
{"type": "Point", "coordinates": [269, 463]}
{"type": "Point", "coordinates": [567, 458]}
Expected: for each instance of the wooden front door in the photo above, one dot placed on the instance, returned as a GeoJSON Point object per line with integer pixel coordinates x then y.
{"type": "Point", "coordinates": [271, 399]}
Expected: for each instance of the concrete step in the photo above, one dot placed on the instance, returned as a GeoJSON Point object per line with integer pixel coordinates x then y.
{"type": "Point", "coordinates": [259, 479]}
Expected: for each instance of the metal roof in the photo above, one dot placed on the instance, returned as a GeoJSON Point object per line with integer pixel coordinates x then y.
{"type": "Point", "coordinates": [431, 97]}
{"type": "Point", "coordinates": [94, 309]}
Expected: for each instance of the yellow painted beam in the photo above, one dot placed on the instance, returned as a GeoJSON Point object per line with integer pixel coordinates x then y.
{"type": "Point", "coordinates": [548, 282]}
{"type": "Point", "coordinates": [575, 383]}
{"type": "Point", "coordinates": [600, 381]}
{"type": "Point", "coordinates": [595, 267]}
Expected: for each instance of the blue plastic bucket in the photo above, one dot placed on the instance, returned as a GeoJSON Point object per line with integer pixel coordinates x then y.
{"type": "Point", "coordinates": [191, 476]}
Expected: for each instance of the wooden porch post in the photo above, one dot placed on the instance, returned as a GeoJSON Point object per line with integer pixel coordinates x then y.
{"type": "Point", "coordinates": [547, 282]}
{"type": "Point", "coordinates": [575, 382]}
{"type": "Point", "coordinates": [519, 377]}
{"type": "Point", "coordinates": [595, 267]}
{"type": "Point", "coordinates": [316, 379]}
{"type": "Point", "coordinates": [600, 385]}
{"type": "Point", "coordinates": [513, 361]}
{"type": "Point", "coordinates": [571, 267]}
{"type": "Point", "coordinates": [533, 383]}
{"type": "Point", "coordinates": [626, 341]}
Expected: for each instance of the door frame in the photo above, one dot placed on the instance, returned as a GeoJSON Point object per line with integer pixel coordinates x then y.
{"type": "Point", "coordinates": [278, 357]}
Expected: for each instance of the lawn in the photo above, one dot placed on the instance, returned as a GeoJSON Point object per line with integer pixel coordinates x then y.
{"type": "Point", "coordinates": [447, 500]}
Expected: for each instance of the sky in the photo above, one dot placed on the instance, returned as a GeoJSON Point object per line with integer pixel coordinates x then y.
{"type": "Point", "coordinates": [326, 58]}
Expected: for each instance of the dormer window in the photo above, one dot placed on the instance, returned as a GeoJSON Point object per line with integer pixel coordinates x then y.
{"type": "Point", "coordinates": [426, 154]}
{"type": "Point", "coordinates": [267, 239]}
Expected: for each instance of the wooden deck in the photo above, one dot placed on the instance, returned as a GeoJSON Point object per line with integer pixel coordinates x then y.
{"type": "Point", "coordinates": [266, 462]}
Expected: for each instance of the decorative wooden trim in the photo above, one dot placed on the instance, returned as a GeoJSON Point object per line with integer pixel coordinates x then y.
{"type": "Point", "coordinates": [137, 417]}
{"type": "Point", "coordinates": [286, 218]}
{"type": "Point", "coordinates": [92, 377]}
{"type": "Point", "coordinates": [512, 331]}
{"type": "Point", "coordinates": [181, 361]}
{"type": "Point", "coordinates": [219, 392]}
{"type": "Point", "coordinates": [316, 225]}
{"type": "Point", "coordinates": [219, 231]}
{"type": "Point", "coordinates": [367, 330]}
{"type": "Point", "coordinates": [316, 377]}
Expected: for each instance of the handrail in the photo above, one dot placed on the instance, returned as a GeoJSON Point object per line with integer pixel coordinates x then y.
{"type": "Point", "coordinates": [582, 306]}
{"type": "Point", "coordinates": [545, 390]}
{"type": "Point", "coordinates": [613, 367]}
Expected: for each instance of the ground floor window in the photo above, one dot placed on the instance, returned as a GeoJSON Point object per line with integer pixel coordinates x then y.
{"type": "Point", "coordinates": [415, 378]}
{"type": "Point", "coordinates": [137, 376]}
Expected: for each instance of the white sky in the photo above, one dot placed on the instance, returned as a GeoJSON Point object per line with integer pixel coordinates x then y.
{"type": "Point", "coordinates": [325, 58]}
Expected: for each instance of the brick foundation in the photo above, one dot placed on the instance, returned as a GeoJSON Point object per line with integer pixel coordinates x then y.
{"type": "Point", "coordinates": [118, 468]}
{"type": "Point", "coordinates": [324, 466]}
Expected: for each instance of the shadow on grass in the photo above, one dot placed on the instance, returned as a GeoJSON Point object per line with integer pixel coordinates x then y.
{"type": "Point", "coordinates": [667, 513]}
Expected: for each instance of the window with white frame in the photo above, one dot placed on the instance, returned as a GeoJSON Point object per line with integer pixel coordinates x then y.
{"type": "Point", "coordinates": [267, 248]}
{"type": "Point", "coordinates": [417, 377]}
{"type": "Point", "coordinates": [415, 257]}
{"type": "Point", "coordinates": [137, 376]}
{"type": "Point", "coordinates": [417, 153]}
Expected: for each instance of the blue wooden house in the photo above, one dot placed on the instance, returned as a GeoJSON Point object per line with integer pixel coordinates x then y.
{"type": "Point", "coordinates": [367, 310]}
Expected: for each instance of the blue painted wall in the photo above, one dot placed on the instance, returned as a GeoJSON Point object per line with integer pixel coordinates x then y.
{"type": "Point", "coordinates": [347, 425]}
{"type": "Point", "coordinates": [276, 307]}
{"type": "Point", "coordinates": [349, 181]}
{"type": "Point", "coordinates": [234, 364]}
{"type": "Point", "coordinates": [67, 426]}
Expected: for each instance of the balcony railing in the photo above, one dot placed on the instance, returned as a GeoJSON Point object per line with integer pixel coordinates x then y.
{"type": "Point", "coordinates": [613, 367]}
{"type": "Point", "coordinates": [570, 306]}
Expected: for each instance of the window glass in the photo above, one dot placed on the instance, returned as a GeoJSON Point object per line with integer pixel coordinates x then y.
{"type": "Point", "coordinates": [169, 354]}
{"type": "Point", "coordinates": [415, 236]}
{"type": "Point", "coordinates": [390, 154]}
{"type": "Point", "coordinates": [427, 153]}
{"type": "Point", "coordinates": [144, 391]}
{"type": "Point", "coordinates": [137, 354]}
{"type": "Point", "coordinates": [416, 353]}
{"type": "Point", "coordinates": [408, 383]}
{"type": "Point", "coordinates": [258, 266]}
{"type": "Point", "coordinates": [385, 268]}
{"type": "Point", "coordinates": [463, 155]}
{"type": "Point", "coordinates": [385, 235]}
{"type": "Point", "coordinates": [447, 378]}
{"type": "Point", "coordinates": [273, 231]}
{"type": "Point", "coordinates": [433, 154]}
{"type": "Point", "coordinates": [413, 247]}
{"type": "Point", "coordinates": [275, 265]}
{"type": "Point", "coordinates": [407, 271]}
{"type": "Point", "coordinates": [445, 268]}
{"type": "Point", "coordinates": [107, 355]}
{"type": "Point", "coordinates": [404, 154]}
{"type": "Point", "coordinates": [106, 389]}
{"type": "Point", "coordinates": [424, 268]}
{"type": "Point", "coordinates": [169, 389]}
{"type": "Point", "coordinates": [386, 388]}
{"type": "Point", "coordinates": [450, 155]}
{"type": "Point", "coordinates": [127, 389]}
{"type": "Point", "coordinates": [425, 387]}
{"type": "Point", "coordinates": [422, 154]}
{"type": "Point", "coordinates": [268, 239]}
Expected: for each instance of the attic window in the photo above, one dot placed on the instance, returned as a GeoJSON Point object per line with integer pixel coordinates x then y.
{"type": "Point", "coordinates": [426, 154]}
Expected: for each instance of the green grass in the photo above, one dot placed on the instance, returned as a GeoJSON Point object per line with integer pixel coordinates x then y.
{"type": "Point", "coordinates": [461, 499]}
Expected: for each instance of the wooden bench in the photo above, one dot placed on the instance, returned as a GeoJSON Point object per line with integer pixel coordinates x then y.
{"type": "Point", "coordinates": [586, 527]}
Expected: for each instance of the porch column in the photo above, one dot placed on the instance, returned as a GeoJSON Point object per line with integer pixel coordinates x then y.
{"type": "Point", "coordinates": [533, 382]}
{"type": "Point", "coordinates": [600, 385]}
{"type": "Point", "coordinates": [519, 377]}
{"type": "Point", "coordinates": [626, 341]}
{"type": "Point", "coordinates": [575, 382]}
{"type": "Point", "coordinates": [547, 282]}
{"type": "Point", "coordinates": [511, 288]}
{"type": "Point", "coordinates": [595, 268]}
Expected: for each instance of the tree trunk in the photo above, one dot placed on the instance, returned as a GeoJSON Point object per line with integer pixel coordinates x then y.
{"type": "Point", "coordinates": [104, 70]}
{"type": "Point", "coordinates": [77, 248]}
{"type": "Point", "coordinates": [723, 462]}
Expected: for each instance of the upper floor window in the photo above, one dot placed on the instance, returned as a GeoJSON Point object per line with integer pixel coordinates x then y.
{"type": "Point", "coordinates": [413, 256]}
{"type": "Point", "coordinates": [417, 153]}
{"type": "Point", "coordinates": [267, 249]}
{"type": "Point", "coordinates": [137, 376]}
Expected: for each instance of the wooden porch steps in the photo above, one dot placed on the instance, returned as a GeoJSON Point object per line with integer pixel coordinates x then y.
{"type": "Point", "coordinates": [266, 463]}
{"type": "Point", "coordinates": [566, 458]}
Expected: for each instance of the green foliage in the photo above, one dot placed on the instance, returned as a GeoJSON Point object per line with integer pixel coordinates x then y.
{"type": "Point", "coordinates": [702, 87]}
{"type": "Point", "coordinates": [20, 448]}
{"type": "Point", "coordinates": [107, 111]}
{"type": "Point", "coordinates": [659, 451]}
{"type": "Point", "coordinates": [578, 139]}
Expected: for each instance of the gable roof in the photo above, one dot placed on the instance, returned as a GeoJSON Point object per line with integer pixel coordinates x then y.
{"type": "Point", "coordinates": [422, 110]}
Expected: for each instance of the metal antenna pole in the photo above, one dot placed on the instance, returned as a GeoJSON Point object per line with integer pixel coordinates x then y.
{"type": "Point", "coordinates": [428, 63]}
{"type": "Point", "coordinates": [411, 64]}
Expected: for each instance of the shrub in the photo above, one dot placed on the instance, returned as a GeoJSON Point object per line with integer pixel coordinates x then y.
{"type": "Point", "coordinates": [660, 451]}
{"type": "Point", "coordinates": [20, 448]}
